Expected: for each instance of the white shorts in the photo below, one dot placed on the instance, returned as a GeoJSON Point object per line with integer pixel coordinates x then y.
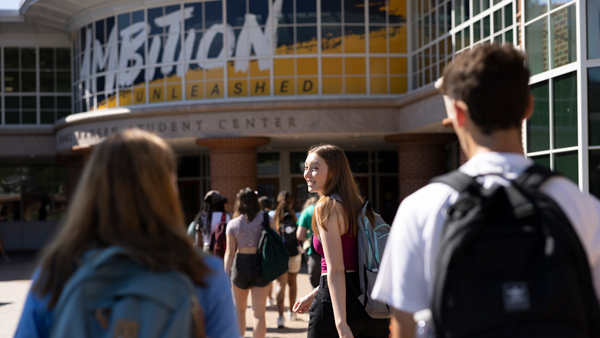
{"type": "Point", "coordinates": [295, 262]}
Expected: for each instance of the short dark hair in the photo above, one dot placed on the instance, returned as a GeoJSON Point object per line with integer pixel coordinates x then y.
{"type": "Point", "coordinates": [493, 81]}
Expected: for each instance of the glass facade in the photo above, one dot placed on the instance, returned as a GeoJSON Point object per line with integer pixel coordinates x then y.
{"type": "Point", "coordinates": [215, 50]}
{"type": "Point", "coordinates": [550, 34]}
{"type": "Point", "coordinates": [35, 85]}
{"type": "Point", "coordinates": [32, 191]}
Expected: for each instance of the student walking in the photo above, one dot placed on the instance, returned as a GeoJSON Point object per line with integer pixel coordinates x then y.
{"type": "Point", "coordinates": [243, 264]}
{"type": "Point", "coordinates": [212, 214]}
{"type": "Point", "coordinates": [285, 221]}
{"type": "Point", "coordinates": [487, 97]}
{"type": "Point", "coordinates": [126, 203]}
{"type": "Point", "coordinates": [335, 310]}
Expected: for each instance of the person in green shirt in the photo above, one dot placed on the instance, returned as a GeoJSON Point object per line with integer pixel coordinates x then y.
{"type": "Point", "coordinates": [305, 232]}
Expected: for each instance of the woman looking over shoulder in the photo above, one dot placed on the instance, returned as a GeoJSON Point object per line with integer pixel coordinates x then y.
{"type": "Point", "coordinates": [127, 197]}
{"type": "Point", "coordinates": [335, 310]}
{"type": "Point", "coordinates": [243, 264]}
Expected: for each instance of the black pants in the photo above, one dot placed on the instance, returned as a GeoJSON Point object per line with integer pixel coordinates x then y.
{"type": "Point", "coordinates": [314, 268]}
{"type": "Point", "coordinates": [322, 322]}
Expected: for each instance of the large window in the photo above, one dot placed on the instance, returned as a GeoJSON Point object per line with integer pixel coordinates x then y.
{"type": "Point", "coordinates": [550, 34]}
{"type": "Point", "coordinates": [552, 130]}
{"type": "Point", "coordinates": [32, 191]}
{"type": "Point", "coordinates": [35, 92]}
{"type": "Point", "coordinates": [197, 51]}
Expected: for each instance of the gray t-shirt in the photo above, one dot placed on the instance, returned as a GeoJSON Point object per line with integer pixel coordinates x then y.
{"type": "Point", "coordinates": [247, 234]}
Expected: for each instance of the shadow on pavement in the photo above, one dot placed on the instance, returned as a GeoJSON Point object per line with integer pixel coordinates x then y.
{"type": "Point", "coordinates": [21, 266]}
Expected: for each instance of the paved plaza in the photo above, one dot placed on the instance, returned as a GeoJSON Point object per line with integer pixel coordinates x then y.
{"type": "Point", "coordinates": [15, 282]}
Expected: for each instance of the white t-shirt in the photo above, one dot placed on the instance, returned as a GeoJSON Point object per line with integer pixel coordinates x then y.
{"type": "Point", "coordinates": [216, 219]}
{"type": "Point", "coordinates": [405, 278]}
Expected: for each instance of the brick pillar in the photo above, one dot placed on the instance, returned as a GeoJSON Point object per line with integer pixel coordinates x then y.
{"type": "Point", "coordinates": [420, 158]}
{"type": "Point", "coordinates": [232, 164]}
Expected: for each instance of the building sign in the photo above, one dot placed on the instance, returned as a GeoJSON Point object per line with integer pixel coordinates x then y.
{"type": "Point", "coordinates": [193, 51]}
{"type": "Point", "coordinates": [202, 125]}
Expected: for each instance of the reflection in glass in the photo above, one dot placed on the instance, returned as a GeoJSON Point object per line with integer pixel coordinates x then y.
{"type": "Point", "coordinates": [564, 40]}
{"type": "Point", "coordinates": [331, 39]}
{"type": "Point", "coordinates": [558, 3]}
{"type": "Point", "coordinates": [28, 58]}
{"type": "Point", "coordinates": [268, 164]}
{"type": "Point", "coordinates": [47, 58]}
{"type": "Point", "coordinates": [538, 127]}
{"type": "Point", "coordinates": [285, 40]}
{"type": "Point", "coordinates": [535, 8]}
{"type": "Point", "coordinates": [543, 160]}
{"type": "Point", "coordinates": [153, 14]}
{"type": "Point", "coordinates": [306, 11]}
{"type": "Point", "coordinates": [11, 82]}
{"type": "Point", "coordinates": [306, 40]}
{"type": "Point", "coordinates": [566, 164]}
{"type": "Point", "coordinates": [536, 37]}
{"type": "Point", "coordinates": [377, 12]}
{"type": "Point", "coordinates": [195, 21]}
{"type": "Point", "coordinates": [213, 13]}
{"type": "Point", "coordinates": [331, 11]}
{"type": "Point", "coordinates": [594, 106]}
{"type": "Point", "coordinates": [11, 58]}
{"type": "Point", "coordinates": [593, 29]}
{"type": "Point", "coordinates": [260, 8]}
{"type": "Point", "coordinates": [594, 175]}
{"type": "Point", "coordinates": [354, 37]}
{"type": "Point", "coordinates": [236, 10]}
{"type": "Point", "coordinates": [124, 22]}
{"type": "Point", "coordinates": [565, 110]}
{"type": "Point", "coordinates": [28, 81]}
{"type": "Point", "coordinates": [354, 11]}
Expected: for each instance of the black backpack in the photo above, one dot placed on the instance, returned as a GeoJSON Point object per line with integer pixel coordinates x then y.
{"type": "Point", "coordinates": [287, 231]}
{"type": "Point", "coordinates": [510, 264]}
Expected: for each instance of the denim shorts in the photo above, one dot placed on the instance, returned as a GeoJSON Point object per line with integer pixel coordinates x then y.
{"type": "Point", "coordinates": [322, 321]}
{"type": "Point", "coordinates": [246, 271]}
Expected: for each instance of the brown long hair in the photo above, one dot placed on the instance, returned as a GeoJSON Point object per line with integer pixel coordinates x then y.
{"type": "Point", "coordinates": [339, 181]}
{"type": "Point", "coordinates": [125, 197]}
{"type": "Point", "coordinates": [246, 203]}
{"type": "Point", "coordinates": [280, 211]}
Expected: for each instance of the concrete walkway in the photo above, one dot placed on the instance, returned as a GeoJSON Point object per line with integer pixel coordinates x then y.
{"type": "Point", "coordinates": [15, 283]}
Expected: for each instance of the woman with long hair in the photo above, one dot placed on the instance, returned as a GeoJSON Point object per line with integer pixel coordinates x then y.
{"type": "Point", "coordinates": [127, 197]}
{"type": "Point", "coordinates": [211, 215]}
{"type": "Point", "coordinates": [243, 264]}
{"type": "Point", "coordinates": [333, 307]}
{"type": "Point", "coordinates": [286, 223]}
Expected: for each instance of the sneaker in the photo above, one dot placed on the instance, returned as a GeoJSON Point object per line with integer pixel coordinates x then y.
{"type": "Point", "coordinates": [270, 301]}
{"type": "Point", "coordinates": [280, 323]}
{"type": "Point", "coordinates": [291, 315]}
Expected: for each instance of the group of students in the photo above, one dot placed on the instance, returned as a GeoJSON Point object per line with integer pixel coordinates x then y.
{"type": "Point", "coordinates": [128, 198]}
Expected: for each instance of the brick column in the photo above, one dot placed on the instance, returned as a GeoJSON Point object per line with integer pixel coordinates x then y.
{"type": "Point", "coordinates": [232, 164]}
{"type": "Point", "coordinates": [420, 158]}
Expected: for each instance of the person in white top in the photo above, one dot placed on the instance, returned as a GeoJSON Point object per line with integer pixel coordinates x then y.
{"type": "Point", "coordinates": [486, 96]}
{"type": "Point", "coordinates": [209, 217]}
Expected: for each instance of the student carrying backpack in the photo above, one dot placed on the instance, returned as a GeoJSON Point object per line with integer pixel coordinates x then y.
{"type": "Point", "coordinates": [218, 239]}
{"type": "Point", "coordinates": [507, 250]}
{"type": "Point", "coordinates": [510, 262]}
{"type": "Point", "coordinates": [113, 295]}
{"type": "Point", "coordinates": [272, 251]}
{"type": "Point", "coordinates": [287, 231]}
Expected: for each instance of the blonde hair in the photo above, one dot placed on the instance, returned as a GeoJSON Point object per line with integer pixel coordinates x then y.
{"type": "Point", "coordinates": [340, 181]}
{"type": "Point", "coordinates": [127, 197]}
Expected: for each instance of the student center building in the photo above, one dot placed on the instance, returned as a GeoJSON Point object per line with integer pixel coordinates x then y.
{"type": "Point", "coordinates": [241, 88]}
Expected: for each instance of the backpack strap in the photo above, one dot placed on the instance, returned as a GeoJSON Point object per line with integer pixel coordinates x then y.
{"type": "Point", "coordinates": [265, 223]}
{"type": "Point", "coordinates": [456, 179]}
{"type": "Point", "coordinates": [533, 177]}
{"type": "Point", "coordinates": [224, 217]}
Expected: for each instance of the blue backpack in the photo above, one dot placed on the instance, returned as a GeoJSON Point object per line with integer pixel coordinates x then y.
{"type": "Point", "coordinates": [113, 295]}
